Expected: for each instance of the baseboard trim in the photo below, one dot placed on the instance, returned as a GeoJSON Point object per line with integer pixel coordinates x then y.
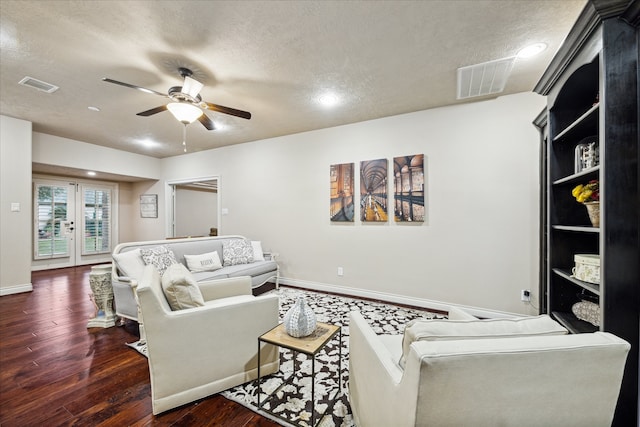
{"type": "Point", "coordinates": [17, 289]}
{"type": "Point", "coordinates": [395, 298]}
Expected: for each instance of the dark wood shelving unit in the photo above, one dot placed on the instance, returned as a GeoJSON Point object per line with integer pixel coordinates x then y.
{"type": "Point", "coordinates": [580, 229]}
{"type": "Point", "coordinates": [580, 176]}
{"type": "Point", "coordinates": [592, 90]}
{"type": "Point", "coordinates": [566, 275]}
{"type": "Point", "coordinates": [575, 325]}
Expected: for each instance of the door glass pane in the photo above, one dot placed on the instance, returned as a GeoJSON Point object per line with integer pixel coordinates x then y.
{"type": "Point", "coordinates": [51, 211]}
{"type": "Point", "coordinates": [97, 221]}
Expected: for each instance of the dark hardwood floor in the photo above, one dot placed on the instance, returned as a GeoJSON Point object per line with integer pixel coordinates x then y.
{"type": "Point", "coordinates": [56, 372]}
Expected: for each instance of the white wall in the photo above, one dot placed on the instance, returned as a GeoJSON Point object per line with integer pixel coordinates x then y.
{"type": "Point", "coordinates": [196, 211]}
{"type": "Point", "coordinates": [479, 245]}
{"type": "Point", "coordinates": [15, 187]}
{"type": "Point", "coordinates": [148, 228]}
{"type": "Point", "coordinates": [54, 150]}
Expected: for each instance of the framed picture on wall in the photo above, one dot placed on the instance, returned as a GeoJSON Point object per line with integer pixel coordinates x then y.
{"type": "Point", "coordinates": [148, 206]}
{"type": "Point", "coordinates": [408, 188]}
{"type": "Point", "coordinates": [373, 190]}
{"type": "Point", "coordinates": [341, 202]}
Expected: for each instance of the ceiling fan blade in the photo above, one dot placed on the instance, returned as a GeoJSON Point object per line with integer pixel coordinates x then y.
{"type": "Point", "coordinates": [228, 110]}
{"type": "Point", "coordinates": [143, 89]}
{"type": "Point", "coordinates": [153, 111]}
{"type": "Point", "coordinates": [206, 122]}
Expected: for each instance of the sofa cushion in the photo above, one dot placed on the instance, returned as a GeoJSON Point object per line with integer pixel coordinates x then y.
{"type": "Point", "coordinates": [258, 255]}
{"type": "Point", "coordinates": [195, 246]}
{"type": "Point", "coordinates": [203, 262]}
{"type": "Point", "coordinates": [456, 313]}
{"type": "Point", "coordinates": [252, 269]}
{"type": "Point", "coordinates": [203, 276]}
{"type": "Point", "coordinates": [159, 256]}
{"type": "Point", "coordinates": [237, 251]}
{"type": "Point", "coordinates": [180, 288]}
{"type": "Point", "coordinates": [442, 329]}
{"type": "Point", "coordinates": [130, 263]}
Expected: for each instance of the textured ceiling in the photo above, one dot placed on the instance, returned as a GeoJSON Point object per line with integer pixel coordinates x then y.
{"type": "Point", "coordinates": [272, 58]}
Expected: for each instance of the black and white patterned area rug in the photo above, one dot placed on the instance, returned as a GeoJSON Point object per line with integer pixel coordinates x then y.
{"type": "Point", "coordinates": [292, 402]}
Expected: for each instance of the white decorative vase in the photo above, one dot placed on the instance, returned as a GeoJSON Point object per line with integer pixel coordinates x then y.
{"type": "Point", "coordinates": [593, 209]}
{"type": "Point", "coordinates": [300, 320]}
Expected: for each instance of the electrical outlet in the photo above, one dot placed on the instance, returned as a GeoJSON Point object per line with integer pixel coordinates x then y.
{"type": "Point", "coordinates": [525, 295]}
{"type": "Point", "coordinates": [340, 271]}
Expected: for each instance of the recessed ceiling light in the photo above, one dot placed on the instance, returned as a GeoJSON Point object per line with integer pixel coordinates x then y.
{"type": "Point", "coordinates": [148, 143]}
{"type": "Point", "coordinates": [92, 108]}
{"type": "Point", "coordinates": [91, 173]}
{"type": "Point", "coordinates": [531, 50]}
{"type": "Point", "coordinates": [328, 99]}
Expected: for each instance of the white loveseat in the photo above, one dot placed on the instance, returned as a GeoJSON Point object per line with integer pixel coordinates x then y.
{"type": "Point", "coordinates": [128, 265]}
{"type": "Point", "coordinates": [457, 374]}
{"type": "Point", "coordinates": [196, 352]}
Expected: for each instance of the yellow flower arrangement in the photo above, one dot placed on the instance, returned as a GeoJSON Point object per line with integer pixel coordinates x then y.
{"type": "Point", "coordinates": [588, 192]}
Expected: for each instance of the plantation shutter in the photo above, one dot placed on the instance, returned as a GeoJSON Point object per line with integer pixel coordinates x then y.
{"type": "Point", "coordinates": [96, 226]}
{"type": "Point", "coordinates": [51, 210]}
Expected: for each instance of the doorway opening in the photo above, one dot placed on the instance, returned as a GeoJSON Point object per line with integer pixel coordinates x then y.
{"type": "Point", "coordinates": [195, 207]}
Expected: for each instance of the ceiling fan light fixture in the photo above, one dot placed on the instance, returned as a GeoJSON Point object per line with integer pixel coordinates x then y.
{"type": "Point", "coordinates": [183, 112]}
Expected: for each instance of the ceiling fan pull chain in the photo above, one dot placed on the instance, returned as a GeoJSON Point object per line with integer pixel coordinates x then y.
{"type": "Point", "coordinates": [184, 137]}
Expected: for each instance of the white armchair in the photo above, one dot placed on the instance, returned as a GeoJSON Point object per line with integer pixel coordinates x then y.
{"type": "Point", "coordinates": [200, 351]}
{"type": "Point", "coordinates": [451, 380]}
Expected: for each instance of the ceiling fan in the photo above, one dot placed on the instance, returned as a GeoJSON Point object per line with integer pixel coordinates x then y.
{"type": "Point", "coordinates": [186, 103]}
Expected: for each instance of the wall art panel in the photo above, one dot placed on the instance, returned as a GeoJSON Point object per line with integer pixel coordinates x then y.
{"type": "Point", "coordinates": [408, 188]}
{"type": "Point", "coordinates": [373, 190]}
{"type": "Point", "coordinates": [341, 202]}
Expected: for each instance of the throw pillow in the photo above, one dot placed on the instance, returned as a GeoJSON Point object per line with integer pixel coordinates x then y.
{"type": "Point", "coordinates": [237, 251]}
{"type": "Point", "coordinates": [180, 288]}
{"type": "Point", "coordinates": [130, 263]}
{"type": "Point", "coordinates": [258, 255]}
{"type": "Point", "coordinates": [203, 262]}
{"type": "Point", "coordinates": [587, 311]}
{"type": "Point", "coordinates": [439, 329]}
{"type": "Point", "coordinates": [160, 256]}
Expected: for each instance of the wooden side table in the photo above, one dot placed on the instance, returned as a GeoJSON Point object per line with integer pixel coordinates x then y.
{"type": "Point", "coordinates": [309, 345]}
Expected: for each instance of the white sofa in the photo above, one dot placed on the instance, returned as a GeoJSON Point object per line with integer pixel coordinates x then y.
{"type": "Point", "coordinates": [456, 374]}
{"type": "Point", "coordinates": [128, 265]}
{"type": "Point", "coordinates": [196, 352]}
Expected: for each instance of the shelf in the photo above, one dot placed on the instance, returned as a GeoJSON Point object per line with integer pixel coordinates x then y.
{"type": "Point", "coordinates": [573, 324]}
{"type": "Point", "coordinates": [578, 121]}
{"type": "Point", "coordinates": [566, 274]}
{"type": "Point", "coordinates": [577, 176]}
{"type": "Point", "coordinates": [577, 228]}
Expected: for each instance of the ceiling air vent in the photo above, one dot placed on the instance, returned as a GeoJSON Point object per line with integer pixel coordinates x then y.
{"type": "Point", "coordinates": [484, 79]}
{"type": "Point", "coordinates": [38, 84]}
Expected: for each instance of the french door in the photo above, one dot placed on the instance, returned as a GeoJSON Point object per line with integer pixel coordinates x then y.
{"type": "Point", "coordinates": [73, 223]}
